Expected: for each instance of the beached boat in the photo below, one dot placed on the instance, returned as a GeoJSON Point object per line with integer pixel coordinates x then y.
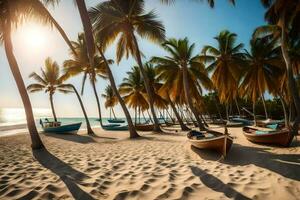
{"type": "Point", "coordinates": [115, 127]}
{"type": "Point", "coordinates": [234, 124]}
{"type": "Point", "coordinates": [51, 127]}
{"type": "Point", "coordinates": [116, 121]}
{"type": "Point", "coordinates": [281, 137]}
{"type": "Point", "coordinates": [264, 123]}
{"type": "Point", "coordinates": [211, 140]}
{"type": "Point", "coordinates": [144, 127]}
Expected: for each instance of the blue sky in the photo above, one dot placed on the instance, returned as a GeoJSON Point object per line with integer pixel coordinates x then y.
{"type": "Point", "coordinates": [185, 18]}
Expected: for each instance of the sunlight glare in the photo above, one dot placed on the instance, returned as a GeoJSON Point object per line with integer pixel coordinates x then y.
{"type": "Point", "coordinates": [35, 37]}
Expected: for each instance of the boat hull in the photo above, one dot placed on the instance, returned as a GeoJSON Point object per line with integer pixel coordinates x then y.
{"type": "Point", "coordinates": [215, 143]}
{"type": "Point", "coordinates": [118, 121]}
{"type": "Point", "coordinates": [280, 138]}
{"type": "Point", "coordinates": [115, 127]}
{"type": "Point", "coordinates": [144, 127]}
{"type": "Point", "coordinates": [69, 128]}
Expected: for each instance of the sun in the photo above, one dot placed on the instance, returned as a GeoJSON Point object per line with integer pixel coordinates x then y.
{"type": "Point", "coordinates": [34, 36]}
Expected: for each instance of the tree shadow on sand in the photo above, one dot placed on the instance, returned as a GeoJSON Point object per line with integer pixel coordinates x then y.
{"type": "Point", "coordinates": [70, 176]}
{"type": "Point", "coordinates": [83, 139]}
{"type": "Point", "coordinates": [286, 165]}
{"type": "Point", "coordinates": [216, 184]}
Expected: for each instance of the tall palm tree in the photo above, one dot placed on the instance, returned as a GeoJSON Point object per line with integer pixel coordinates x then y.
{"type": "Point", "coordinates": [263, 65]}
{"type": "Point", "coordinates": [133, 91]}
{"type": "Point", "coordinates": [87, 26]}
{"type": "Point", "coordinates": [225, 63]}
{"type": "Point", "coordinates": [49, 81]}
{"type": "Point", "coordinates": [183, 72]}
{"type": "Point", "coordinates": [127, 19]}
{"type": "Point", "coordinates": [80, 64]}
{"type": "Point", "coordinates": [286, 15]}
{"type": "Point", "coordinates": [11, 14]}
{"type": "Point", "coordinates": [110, 100]}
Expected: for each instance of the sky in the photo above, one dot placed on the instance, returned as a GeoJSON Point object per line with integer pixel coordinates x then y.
{"type": "Point", "coordinates": [34, 42]}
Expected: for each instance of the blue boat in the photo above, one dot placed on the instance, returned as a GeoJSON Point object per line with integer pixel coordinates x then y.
{"type": "Point", "coordinates": [115, 127]}
{"type": "Point", "coordinates": [116, 121]}
{"type": "Point", "coordinates": [56, 127]}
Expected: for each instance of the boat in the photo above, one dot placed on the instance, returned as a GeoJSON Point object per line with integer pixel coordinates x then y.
{"type": "Point", "coordinates": [115, 127]}
{"type": "Point", "coordinates": [144, 127]}
{"type": "Point", "coordinates": [234, 124]}
{"type": "Point", "coordinates": [246, 122]}
{"type": "Point", "coordinates": [116, 121]}
{"type": "Point", "coordinates": [56, 127]}
{"type": "Point", "coordinates": [264, 123]}
{"type": "Point", "coordinates": [211, 140]}
{"type": "Point", "coordinates": [281, 137]}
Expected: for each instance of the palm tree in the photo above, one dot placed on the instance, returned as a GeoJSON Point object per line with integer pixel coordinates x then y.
{"type": "Point", "coordinates": [225, 64]}
{"type": "Point", "coordinates": [133, 91]}
{"type": "Point", "coordinates": [263, 65]}
{"type": "Point", "coordinates": [110, 100]}
{"type": "Point", "coordinates": [11, 16]}
{"type": "Point", "coordinates": [49, 81]}
{"type": "Point", "coordinates": [91, 52]}
{"type": "Point", "coordinates": [80, 64]}
{"type": "Point", "coordinates": [183, 74]}
{"type": "Point", "coordinates": [126, 19]}
{"type": "Point", "coordinates": [286, 15]}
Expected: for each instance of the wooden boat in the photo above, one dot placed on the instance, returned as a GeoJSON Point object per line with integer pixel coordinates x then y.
{"type": "Point", "coordinates": [264, 123]}
{"type": "Point", "coordinates": [144, 127]}
{"type": "Point", "coordinates": [234, 124]}
{"type": "Point", "coordinates": [58, 128]}
{"type": "Point", "coordinates": [115, 127]}
{"type": "Point", "coordinates": [281, 137]}
{"type": "Point", "coordinates": [217, 141]}
{"type": "Point", "coordinates": [117, 121]}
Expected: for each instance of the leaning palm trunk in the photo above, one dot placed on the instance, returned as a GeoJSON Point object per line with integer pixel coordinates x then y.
{"type": "Point", "coordinates": [57, 26]}
{"type": "Point", "coordinates": [52, 107]}
{"type": "Point", "coordinates": [131, 127]}
{"type": "Point", "coordinates": [98, 102]}
{"type": "Point", "coordinates": [189, 98]}
{"type": "Point", "coordinates": [237, 106]}
{"type": "Point", "coordinates": [284, 111]}
{"type": "Point", "coordinates": [291, 81]}
{"type": "Point", "coordinates": [148, 87]}
{"type": "Point", "coordinates": [88, 125]}
{"type": "Point", "coordinates": [264, 104]}
{"type": "Point", "coordinates": [227, 111]}
{"type": "Point", "coordinates": [254, 115]}
{"type": "Point", "coordinates": [36, 142]}
{"type": "Point", "coordinates": [88, 31]}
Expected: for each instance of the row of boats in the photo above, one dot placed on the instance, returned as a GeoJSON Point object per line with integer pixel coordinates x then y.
{"type": "Point", "coordinates": [269, 132]}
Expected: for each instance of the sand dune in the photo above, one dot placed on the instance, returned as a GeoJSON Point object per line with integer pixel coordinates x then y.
{"type": "Point", "coordinates": [154, 167]}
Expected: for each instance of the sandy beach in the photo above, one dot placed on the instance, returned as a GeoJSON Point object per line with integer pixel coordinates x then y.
{"type": "Point", "coordinates": [154, 167]}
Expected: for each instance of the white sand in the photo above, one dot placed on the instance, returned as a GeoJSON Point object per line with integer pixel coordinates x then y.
{"type": "Point", "coordinates": [154, 167]}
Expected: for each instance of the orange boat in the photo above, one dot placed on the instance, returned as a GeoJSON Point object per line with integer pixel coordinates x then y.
{"type": "Point", "coordinates": [211, 140]}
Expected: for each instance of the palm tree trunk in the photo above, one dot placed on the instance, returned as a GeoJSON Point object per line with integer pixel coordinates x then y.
{"type": "Point", "coordinates": [135, 115]}
{"type": "Point", "coordinates": [284, 111]}
{"type": "Point", "coordinates": [227, 112]}
{"type": "Point", "coordinates": [237, 106]}
{"type": "Point", "coordinates": [57, 26]}
{"type": "Point", "coordinates": [98, 102]}
{"type": "Point", "coordinates": [218, 108]}
{"type": "Point", "coordinates": [52, 107]}
{"type": "Point", "coordinates": [88, 125]}
{"type": "Point", "coordinates": [112, 109]}
{"type": "Point", "coordinates": [88, 31]}
{"type": "Point", "coordinates": [149, 116]}
{"type": "Point", "coordinates": [254, 115]}
{"type": "Point", "coordinates": [264, 104]}
{"type": "Point", "coordinates": [148, 87]}
{"type": "Point", "coordinates": [131, 127]}
{"type": "Point", "coordinates": [291, 81]}
{"type": "Point", "coordinates": [36, 142]}
{"type": "Point", "coordinates": [170, 116]}
{"type": "Point", "coordinates": [188, 97]}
